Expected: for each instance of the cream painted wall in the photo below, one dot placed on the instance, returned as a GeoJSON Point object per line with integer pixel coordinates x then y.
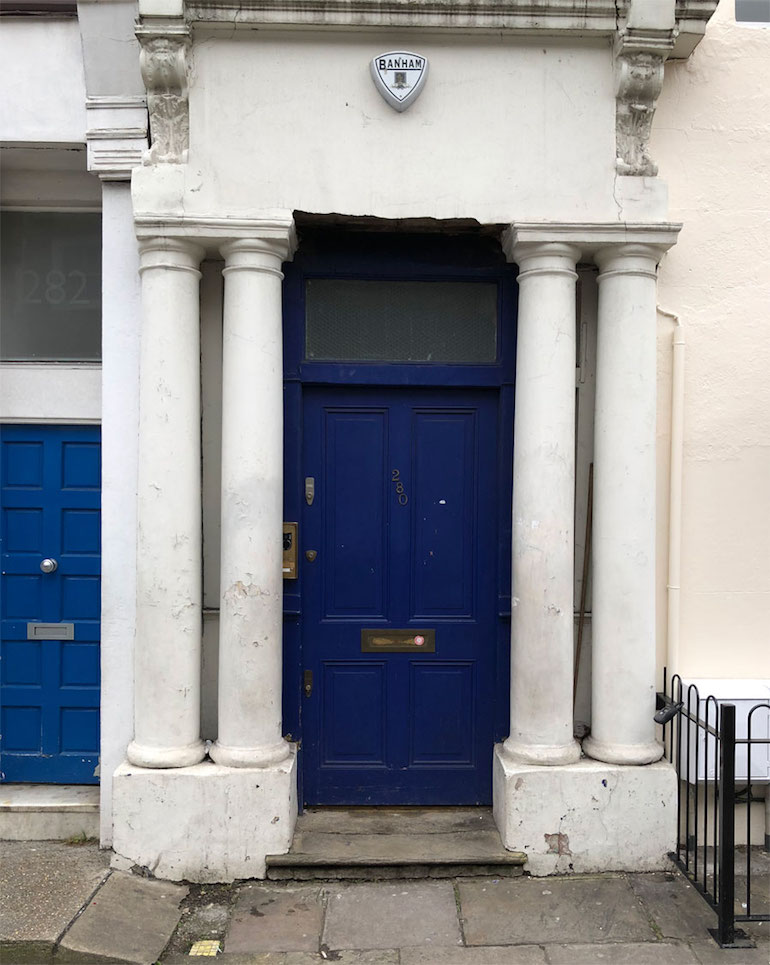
{"type": "Point", "coordinates": [42, 79]}
{"type": "Point", "coordinates": [504, 129]}
{"type": "Point", "coordinates": [712, 141]}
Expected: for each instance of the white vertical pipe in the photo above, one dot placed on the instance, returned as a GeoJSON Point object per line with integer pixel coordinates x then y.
{"type": "Point", "coordinates": [675, 495]}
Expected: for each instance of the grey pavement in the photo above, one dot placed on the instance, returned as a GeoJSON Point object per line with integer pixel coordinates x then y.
{"type": "Point", "coordinates": [61, 903]}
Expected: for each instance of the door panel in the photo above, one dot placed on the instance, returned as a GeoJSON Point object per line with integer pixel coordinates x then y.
{"type": "Point", "coordinates": [356, 536]}
{"type": "Point", "coordinates": [444, 513]}
{"type": "Point", "coordinates": [51, 490]}
{"type": "Point", "coordinates": [403, 523]}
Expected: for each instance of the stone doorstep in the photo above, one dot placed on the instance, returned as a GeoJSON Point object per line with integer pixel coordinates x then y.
{"type": "Point", "coordinates": [369, 872]}
{"type": "Point", "coordinates": [48, 812]}
{"type": "Point", "coordinates": [379, 843]}
{"type": "Point", "coordinates": [398, 864]}
{"type": "Point", "coordinates": [395, 860]}
{"type": "Point", "coordinates": [64, 798]}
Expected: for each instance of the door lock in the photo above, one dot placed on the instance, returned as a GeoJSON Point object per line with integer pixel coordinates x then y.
{"type": "Point", "coordinates": [309, 489]}
{"type": "Point", "coordinates": [307, 682]}
{"type": "Point", "coordinates": [310, 555]}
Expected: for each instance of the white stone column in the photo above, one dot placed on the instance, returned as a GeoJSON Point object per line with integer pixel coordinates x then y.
{"type": "Point", "coordinates": [623, 638]}
{"type": "Point", "coordinates": [543, 507]}
{"type": "Point", "coordinates": [251, 599]}
{"type": "Point", "coordinates": [168, 610]}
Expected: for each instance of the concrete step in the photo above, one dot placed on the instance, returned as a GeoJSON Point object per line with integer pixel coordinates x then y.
{"type": "Point", "coordinates": [377, 843]}
{"type": "Point", "coordinates": [48, 812]}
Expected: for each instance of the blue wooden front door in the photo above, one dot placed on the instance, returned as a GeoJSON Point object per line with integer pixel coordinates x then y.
{"type": "Point", "coordinates": [404, 523]}
{"type": "Point", "coordinates": [51, 489]}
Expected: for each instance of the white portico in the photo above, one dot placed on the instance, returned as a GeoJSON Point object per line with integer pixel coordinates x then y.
{"type": "Point", "coordinates": [221, 184]}
{"type": "Point", "coordinates": [251, 776]}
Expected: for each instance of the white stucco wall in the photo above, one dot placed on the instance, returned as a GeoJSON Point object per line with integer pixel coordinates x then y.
{"type": "Point", "coordinates": [712, 141]}
{"type": "Point", "coordinates": [504, 129]}
{"type": "Point", "coordinates": [42, 79]}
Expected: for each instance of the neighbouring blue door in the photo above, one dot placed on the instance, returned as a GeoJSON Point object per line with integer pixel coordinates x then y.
{"type": "Point", "coordinates": [400, 621]}
{"type": "Point", "coordinates": [51, 493]}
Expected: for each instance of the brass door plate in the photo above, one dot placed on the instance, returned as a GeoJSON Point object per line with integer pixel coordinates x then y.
{"type": "Point", "coordinates": [398, 641]}
{"type": "Point", "coordinates": [290, 551]}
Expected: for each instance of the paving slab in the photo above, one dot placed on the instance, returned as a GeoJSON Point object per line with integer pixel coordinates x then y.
{"type": "Point", "coordinates": [674, 905]}
{"type": "Point", "coordinates": [760, 894]}
{"type": "Point", "coordinates": [245, 958]}
{"type": "Point", "coordinates": [631, 953]}
{"type": "Point", "coordinates": [273, 918]}
{"type": "Point", "coordinates": [205, 916]}
{"type": "Point", "coordinates": [709, 953]}
{"type": "Point", "coordinates": [512, 911]}
{"type": "Point", "coordinates": [43, 885]}
{"type": "Point", "coordinates": [375, 956]}
{"type": "Point", "coordinates": [391, 915]}
{"type": "Point", "coordinates": [130, 919]}
{"type": "Point", "coordinates": [487, 955]}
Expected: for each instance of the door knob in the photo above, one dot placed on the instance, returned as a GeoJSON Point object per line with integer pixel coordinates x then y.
{"type": "Point", "coordinates": [49, 566]}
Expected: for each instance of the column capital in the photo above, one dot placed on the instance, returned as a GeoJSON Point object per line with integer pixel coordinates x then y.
{"type": "Point", "coordinates": [173, 254]}
{"type": "Point", "coordinates": [521, 245]}
{"type": "Point", "coordinates": [629, 258]}
{"type": "Point", "coordinates": [544, 258]}
{"type": "Point", "coordinates": [255, 254]}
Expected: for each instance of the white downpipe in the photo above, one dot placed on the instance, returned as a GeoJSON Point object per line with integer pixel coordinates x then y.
{"type": "Point", "coordinates": [675, 494]}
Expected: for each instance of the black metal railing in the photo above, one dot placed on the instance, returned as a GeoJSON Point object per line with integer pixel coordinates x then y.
{"type": "Point", "coordinates": [700, 740]}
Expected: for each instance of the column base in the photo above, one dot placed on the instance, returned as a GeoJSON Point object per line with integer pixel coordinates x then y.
{"type": "Point", "coordinates": [142, 755]}
{"type": "Point", "coordinates": [249, 756]}
{"type": "Point", "coordinates": [544, 755]}
{"type": "Point", "coordinates": [586, 817]}
{"type": "Point", "coordinates": [205, 823]}
{"type": "Point", "coordinates": [622, 753]}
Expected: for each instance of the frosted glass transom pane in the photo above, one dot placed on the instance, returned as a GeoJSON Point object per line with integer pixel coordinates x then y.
{"type": "Point", "coordinates": [401, 321]}
{"type": "Point", "coordinates": [51, 274]}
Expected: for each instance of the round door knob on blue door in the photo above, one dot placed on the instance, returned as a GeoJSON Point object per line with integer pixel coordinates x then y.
{"type": "Point", "coordinates": [49, 566]}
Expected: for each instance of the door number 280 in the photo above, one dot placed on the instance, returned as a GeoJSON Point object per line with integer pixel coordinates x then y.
{"type": "Point", "coordinates": [402, 497]}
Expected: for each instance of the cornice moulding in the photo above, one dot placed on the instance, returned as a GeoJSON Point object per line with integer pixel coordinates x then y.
{"type": "Point", "coordinates": [535, 15]}
{"type": "Point", "coordinates": [589, 237]}
{"type": "Point", "coordinates": [212, 233]}
{"type": "Point", "coordinates": [118, 102]}
{"type": "Point", "coordinates": [116, 135]}
{"type": "Point", "coordinates": [579, 18]}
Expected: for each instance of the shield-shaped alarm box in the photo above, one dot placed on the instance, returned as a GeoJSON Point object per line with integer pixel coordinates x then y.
{"type": "Point", "coordinates": [399, 76]}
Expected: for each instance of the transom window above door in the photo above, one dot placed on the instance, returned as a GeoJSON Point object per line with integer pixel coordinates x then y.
{"type": "Point", "coordinates": [51, 276]}
{"type": "Point", "coordinates": [401, 321]}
